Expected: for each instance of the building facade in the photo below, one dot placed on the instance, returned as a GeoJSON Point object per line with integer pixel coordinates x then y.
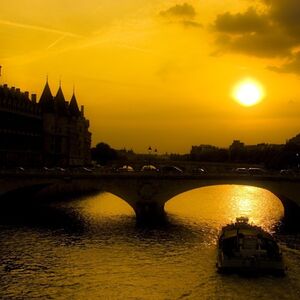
{"type": "Point", "coordinates": [51, 132]}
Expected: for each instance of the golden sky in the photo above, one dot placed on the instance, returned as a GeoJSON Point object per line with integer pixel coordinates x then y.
{"type": "Point", "coordinates": [161, 73]}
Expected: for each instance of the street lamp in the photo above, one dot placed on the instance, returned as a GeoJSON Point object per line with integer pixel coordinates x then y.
{"type": "Point", "coordinates": [149, 154]}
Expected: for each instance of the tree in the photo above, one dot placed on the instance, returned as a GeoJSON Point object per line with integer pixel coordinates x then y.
{"type": "Point", "coordinates": [103, 153]}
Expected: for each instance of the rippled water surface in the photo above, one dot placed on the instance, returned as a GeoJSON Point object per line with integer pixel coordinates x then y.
{"type": "Point", "coordinates": [91, 248]}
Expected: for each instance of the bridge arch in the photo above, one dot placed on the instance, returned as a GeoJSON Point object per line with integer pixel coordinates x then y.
{"type": "Point", "coordinates": [103, 203]}
{"type": "Point", "coordinates": [147, 194]}
{"type": "Point", "coordinates": [287, 192]}
{"type": "Point", "coordinates": [222, 203]}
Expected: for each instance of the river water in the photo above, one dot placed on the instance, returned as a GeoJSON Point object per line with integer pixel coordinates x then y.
{"type": "Point", "coordinates": [91, 248]}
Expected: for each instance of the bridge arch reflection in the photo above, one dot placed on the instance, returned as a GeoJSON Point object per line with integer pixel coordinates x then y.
{"type": "Point", "coordinates": [106, 204]}
{"type": "Point", "coordinates": [221, 204]}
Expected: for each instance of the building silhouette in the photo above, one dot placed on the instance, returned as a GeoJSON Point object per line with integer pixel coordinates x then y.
{"type": "Point", "coordinates": [51, 132]}
{"type": "Point", "coordinates": [295, 140]}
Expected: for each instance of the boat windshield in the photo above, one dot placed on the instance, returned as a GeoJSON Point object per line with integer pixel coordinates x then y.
{"type": "Point", "coordinates": [230, 233]}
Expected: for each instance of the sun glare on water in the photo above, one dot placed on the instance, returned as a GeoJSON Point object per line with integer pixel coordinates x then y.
{"type": "Point", "coordinates": [248, 92]}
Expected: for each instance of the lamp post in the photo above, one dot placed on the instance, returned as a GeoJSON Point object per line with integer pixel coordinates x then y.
{"type": "Point", "coordinates": [149, 154]}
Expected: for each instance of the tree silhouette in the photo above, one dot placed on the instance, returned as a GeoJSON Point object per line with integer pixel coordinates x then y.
{"type": "Point", "coordinates": [103, 153]}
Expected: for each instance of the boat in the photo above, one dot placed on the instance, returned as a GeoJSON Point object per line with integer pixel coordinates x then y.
{"type": "Point", "coordinates": [243, 247]}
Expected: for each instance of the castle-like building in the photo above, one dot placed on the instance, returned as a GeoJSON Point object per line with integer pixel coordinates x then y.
{"type": "Point", "coordinates": [51, 132]}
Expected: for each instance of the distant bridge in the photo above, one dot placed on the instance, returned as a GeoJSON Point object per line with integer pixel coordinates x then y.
{"type": "Point", "coordinates": [146, 193]}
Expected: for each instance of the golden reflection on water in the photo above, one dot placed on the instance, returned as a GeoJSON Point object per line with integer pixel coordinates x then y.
{"type": "Point", "coordinates": [214, 206]}
{"type": "Point", "coordinates": [220, 205]}
{"type": "Point", "coordinates": [113, 259]}
{"type": "Point", "coordinates": [104, 205]}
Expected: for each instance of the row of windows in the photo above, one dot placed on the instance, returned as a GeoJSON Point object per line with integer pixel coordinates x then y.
{"type": "Point", "coordinates": [20, 105]}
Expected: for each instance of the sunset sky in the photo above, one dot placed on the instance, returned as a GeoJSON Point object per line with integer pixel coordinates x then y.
{"type": "Point", "coordinates": [161, 73]}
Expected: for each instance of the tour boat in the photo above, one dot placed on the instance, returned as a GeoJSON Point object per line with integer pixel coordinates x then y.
{"type": "Point", "coordinates": [245, 247]}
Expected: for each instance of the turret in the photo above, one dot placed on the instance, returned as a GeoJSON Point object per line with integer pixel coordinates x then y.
{"type": "Point", "coordinates": [46, 101]}
{"type": "Point", "coordinates": [73, 107]}
{"type": "Point", "coordinates": [60, 102]}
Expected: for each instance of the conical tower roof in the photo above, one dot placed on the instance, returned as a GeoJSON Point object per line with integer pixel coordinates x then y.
{"type": "Point", "coordinates": [60, 102]}
{"type": "Point", "coordinates": [73, 107]}
{"type": "Point", "coordinates": [46, 100]}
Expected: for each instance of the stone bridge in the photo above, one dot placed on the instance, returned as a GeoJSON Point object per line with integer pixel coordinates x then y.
{"type": "Point", "coordinates": [146, 193]}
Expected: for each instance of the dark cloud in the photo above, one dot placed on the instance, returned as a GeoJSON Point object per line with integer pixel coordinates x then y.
{"type": "Point", "coordinates": [180, 10]}
{"type": "Point", "coordinates": [293, 66]}
{"type": "Point", "coordinates": [275, 32]}
{"type": "Point", "coordinates": [269, 44]}
{"type": "Point", "coordinates": [250, 21]}
{"type": "Point", "coordinates": [192, 24]}
{"type": "Point", "coordinates": [183, 14]}
{"type": "Point", "coordinates": [286, 13]}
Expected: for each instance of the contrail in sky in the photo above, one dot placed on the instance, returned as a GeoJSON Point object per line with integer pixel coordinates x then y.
{"type": "Point", "coordinates": [56, 41]}
{"type": "Point", "coordinates": [39, 28]}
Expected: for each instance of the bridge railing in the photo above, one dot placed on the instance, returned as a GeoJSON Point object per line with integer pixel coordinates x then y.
{"type": "Point", "coordinates": [69, 173]}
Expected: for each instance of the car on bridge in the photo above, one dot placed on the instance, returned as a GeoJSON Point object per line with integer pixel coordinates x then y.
{"type": "Point", "coordinates": [250, 171]}
{"type": "Point", "coordinates": [125, 168]}
{"type": "Point", "coordinates": [198, 170]}
{"type": "Point", "coordinates": [171, 170]}
{"type": "Point", "coordinates": [257, 171]}
{"type": "Point", "coordinates": [287, 172]}
{"type": "Point", "coordinates": [241, 170]}
{"type": "Point", "coordinates": [149, 168]}
{"type": "Point", "coordinates": [60, 169]}
{"type": "Point", "coordinates": [20, 169]}
{"type": "Point", "coordinates": [88, 170]}
{"type": "Point", "coordinates": [48, 170]}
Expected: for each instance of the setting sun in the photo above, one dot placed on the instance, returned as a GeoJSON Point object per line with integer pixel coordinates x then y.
{"type": "Point", "coordinates": [248, 92]}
